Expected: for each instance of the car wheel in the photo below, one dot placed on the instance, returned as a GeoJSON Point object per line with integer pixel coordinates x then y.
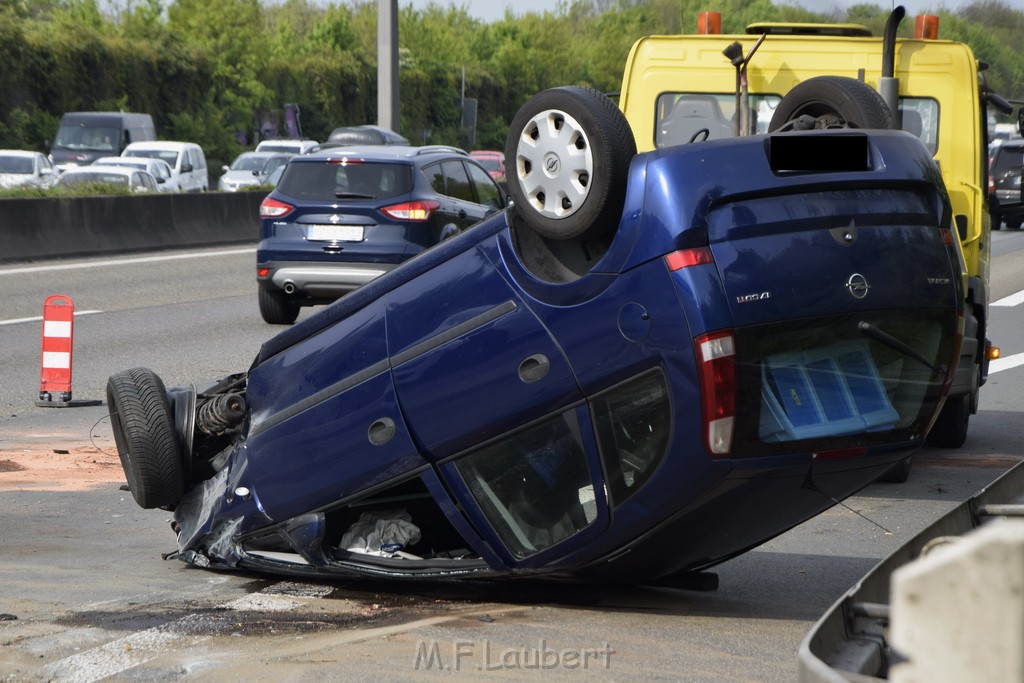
{"type": "Point", "coordinates": [899, 473]}
{"type": "Point", "coordinates": [140, 417]}
{"type": "Point", "coordinates": [1014, 223]}
{"type": "Point", "coordinates": [276, 307]}
{"type": "Point", "coordinates": [831, 102]}
{"type": "Point", "coordinates": [950, 429]}
{"type": "Point", "coordinates": [997, 222]}
{"type": "Point", "coordinates": [568, 152]}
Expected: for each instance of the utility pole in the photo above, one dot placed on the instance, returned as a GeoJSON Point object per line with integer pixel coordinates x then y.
{"type": "Point", "coordinates": [387, 64]}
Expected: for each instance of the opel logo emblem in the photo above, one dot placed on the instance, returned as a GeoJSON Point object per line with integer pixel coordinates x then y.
{"type": "Point", "coordinates": [552, 164]}
{"type": "Point", "coordinates": [335, 219]}
{"type": "Point", "coordinates": [858, 286]}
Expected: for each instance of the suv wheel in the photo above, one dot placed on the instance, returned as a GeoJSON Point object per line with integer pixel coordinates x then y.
{"type": "Point", "coordinates": [276, 307]}
{"type": "Point", "coordinates": [831, 102]}
{"type": "Point", "coordinates": [568, 152]}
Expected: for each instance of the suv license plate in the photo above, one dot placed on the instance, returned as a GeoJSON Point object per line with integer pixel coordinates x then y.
{"type": "Point", "coordinates": [335, 233]}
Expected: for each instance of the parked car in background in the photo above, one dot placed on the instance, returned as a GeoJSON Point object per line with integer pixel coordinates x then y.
{"type": "Point", "coordinates": [348, 136]}
{"type": "Point", "coordinates": [186, 159]}
{"type": "Point", "coordinates": [158, 168]}
{"type": "Point", "coordinates": [287, 145]}
{"type": "Point", "coordinates": [250, 169]}
{"type": "Point", "coordinates": [493, 161]}
{"type": "Point", "coordinates": [135, 179]}
{"type": "Point", "coordinates": [21, 168]}
{"type": "Point", "coordinates": [340, 218]}
{"type": "Point", "coordinates": [84, 136]}
{"type": "Point", "coordinates": [1004, 172]}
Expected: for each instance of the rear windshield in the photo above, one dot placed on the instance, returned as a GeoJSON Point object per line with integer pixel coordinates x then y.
{"type": "Point", "coordinates": [20, 165]}
{"type": "Point", "coordinates": [1009, 158]}
{"type": "Point", "coordinates": [168, 155]}
{"type": "Point", "coordinates": [840, 381]}
{"type": "Point", "coordinates": [330, 181]}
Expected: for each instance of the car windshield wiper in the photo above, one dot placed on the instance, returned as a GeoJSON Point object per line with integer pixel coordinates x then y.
{"type": "Point", "coordinates": [892, 342]}
{"type": "Point", "coordinates": [354, 195]}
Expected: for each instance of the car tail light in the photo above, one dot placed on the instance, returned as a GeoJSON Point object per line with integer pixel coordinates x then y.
{"type": "Point", "coordinates": [411, 211]}
{"type": "Point", "coordinates": [262, 272]}
{"type": "Point", "coordinates": [716, 358]}
{"type": "Point", "coordinates": [272, 208]}
{"type": "Point", "coordinates": [685, 258]}
{"type": "Point", "coordinates": [991, 183]}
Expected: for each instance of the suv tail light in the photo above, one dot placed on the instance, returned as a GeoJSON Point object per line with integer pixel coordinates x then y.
{"type": "Point", "coordinates": [716, 359]}
{"type": "Point", "coordinates": [417, 211]}
{"type": "Point", "coordinates": [272, 208]}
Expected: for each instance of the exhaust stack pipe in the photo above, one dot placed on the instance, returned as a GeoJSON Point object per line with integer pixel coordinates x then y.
{"type": "Point", "coordinates": [289, 287]}
{"type": "Point", "coordinates": [888, 84]}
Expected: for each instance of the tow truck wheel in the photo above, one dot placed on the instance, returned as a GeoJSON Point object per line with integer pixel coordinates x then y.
{"type": "Point", "coordinates": [568, 152]}
{"type": "Point", "coordinates": [899, 472]}
{"type": "Point", "coordinates": [950, 429]}
{"type": "Point", "coordinates": [276, 307]}
{"type": "Point", "coordinates": [140, 417]}
{"type": "Point", "coordinates": [831, 102]}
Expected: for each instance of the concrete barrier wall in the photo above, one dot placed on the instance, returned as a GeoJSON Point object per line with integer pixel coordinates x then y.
{"type": "Point", "coordinates": [58, 227]}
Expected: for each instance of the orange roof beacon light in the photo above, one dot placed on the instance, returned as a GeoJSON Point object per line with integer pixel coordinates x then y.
{"type": "Point", "coordinates": [709, 22]}
{"type": "Point", "coordinates": [926, 27]}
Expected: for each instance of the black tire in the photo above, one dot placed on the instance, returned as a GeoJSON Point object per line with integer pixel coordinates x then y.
{"type": "Point", "coordinates": [899, 473]}
{"type": "Point", "coordinates": [140, 417]}
{"type": "Point", "coordinates": [997, 222]}
{"type": "Point", "coordinates": [832, 102]}
{"type": "Point", "coordinates": [276, 307]}
{"type": "Point", "coordinates": [1014, 223]}
{"type": "Point", "coordinates": [950, 429]}
{"type": "Point", "coordinates": [567, 157]}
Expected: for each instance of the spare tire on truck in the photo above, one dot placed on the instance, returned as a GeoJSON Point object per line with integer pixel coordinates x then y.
{"type": "Point", "coordinates": [831, 102]}
{"type": "Point", "coordinates": [567, 157]}
{"type": "Point", "coordinates": [143, 426]}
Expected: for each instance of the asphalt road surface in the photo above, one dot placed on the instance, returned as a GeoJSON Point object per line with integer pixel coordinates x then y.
{"type": "Point", "coordinates": [85, 595]}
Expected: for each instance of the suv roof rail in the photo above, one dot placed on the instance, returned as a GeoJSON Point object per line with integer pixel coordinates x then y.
{"type": "Point", "coordinates": [429, 149]}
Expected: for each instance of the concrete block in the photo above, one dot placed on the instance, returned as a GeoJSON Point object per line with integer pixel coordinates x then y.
{"type": "Point", "coordinates": [957, 612]}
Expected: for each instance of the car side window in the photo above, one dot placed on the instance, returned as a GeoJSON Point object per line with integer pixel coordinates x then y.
{"type": "Point", "coordinates": [435, 176]}
{"type": "Point", "coordinates": [487, 192]}
{"type": "Point", "coordinates": [633, 424]}
{"type": "Point", "coordinates": [457, 181]}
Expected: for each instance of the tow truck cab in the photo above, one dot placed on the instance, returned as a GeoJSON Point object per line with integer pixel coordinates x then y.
{"type": "Point", "coordinates": [676, 87]}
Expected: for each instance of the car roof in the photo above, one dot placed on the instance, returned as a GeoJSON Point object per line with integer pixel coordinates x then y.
{"type": "Point", "coordinates": [264, 155]}
{"type": "Point", "coordinates": [382, 153]}
{"type": "Point", "coordinates": [160, 144]}
{"type": "Point", "coordinates": [17, 153]}
{"type": "Point", "coordinates": [101, 168]}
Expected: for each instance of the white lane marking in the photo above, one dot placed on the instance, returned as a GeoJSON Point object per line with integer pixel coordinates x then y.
{"type": "Point", "coordinates": [133, 650]}
{"type": "Point", "coordinates": [1012, 300]}
{"type": "Point", "coordinates": [123, 261]}
{"type": "Point", "coordinates": [1000, 364]}
{"type": "Point", "coordinates": [15, 321]}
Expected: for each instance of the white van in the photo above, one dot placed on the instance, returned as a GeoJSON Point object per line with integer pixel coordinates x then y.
{"type": "Point", "coordinates": [186, 160]}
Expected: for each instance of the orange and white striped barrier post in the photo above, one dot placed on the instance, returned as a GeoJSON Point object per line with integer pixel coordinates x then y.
{"type": "Point", "coordinates": [58, 346]}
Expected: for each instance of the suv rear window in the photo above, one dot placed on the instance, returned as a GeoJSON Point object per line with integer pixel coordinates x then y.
{"type": "Point", "coordinates": [330, 181]}
{"type": "Point", "coordinates": [1009, 158]}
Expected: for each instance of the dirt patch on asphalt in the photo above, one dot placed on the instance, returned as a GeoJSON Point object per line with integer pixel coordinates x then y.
{"type": "Point", "coordinates": [43, 468]}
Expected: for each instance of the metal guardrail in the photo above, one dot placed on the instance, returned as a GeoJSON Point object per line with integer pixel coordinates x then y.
{"type": "Point", "coordinates": [848, 644]}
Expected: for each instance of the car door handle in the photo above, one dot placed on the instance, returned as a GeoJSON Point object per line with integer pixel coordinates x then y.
{"type": "Point", "coordinates": [462, 213]}
{"type": "Point", "coordinates": [534, 368]}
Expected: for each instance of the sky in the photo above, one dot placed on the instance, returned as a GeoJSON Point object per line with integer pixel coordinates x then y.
{"type": "Point", "coordinates": [492, 10]}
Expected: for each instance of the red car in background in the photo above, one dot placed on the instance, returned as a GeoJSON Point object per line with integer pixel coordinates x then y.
{"type": "Point", "coordinates": [492, 161]}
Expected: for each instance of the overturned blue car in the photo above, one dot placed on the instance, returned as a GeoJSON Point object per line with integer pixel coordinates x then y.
{"type": "Point", "coordinates": [648, 364]}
